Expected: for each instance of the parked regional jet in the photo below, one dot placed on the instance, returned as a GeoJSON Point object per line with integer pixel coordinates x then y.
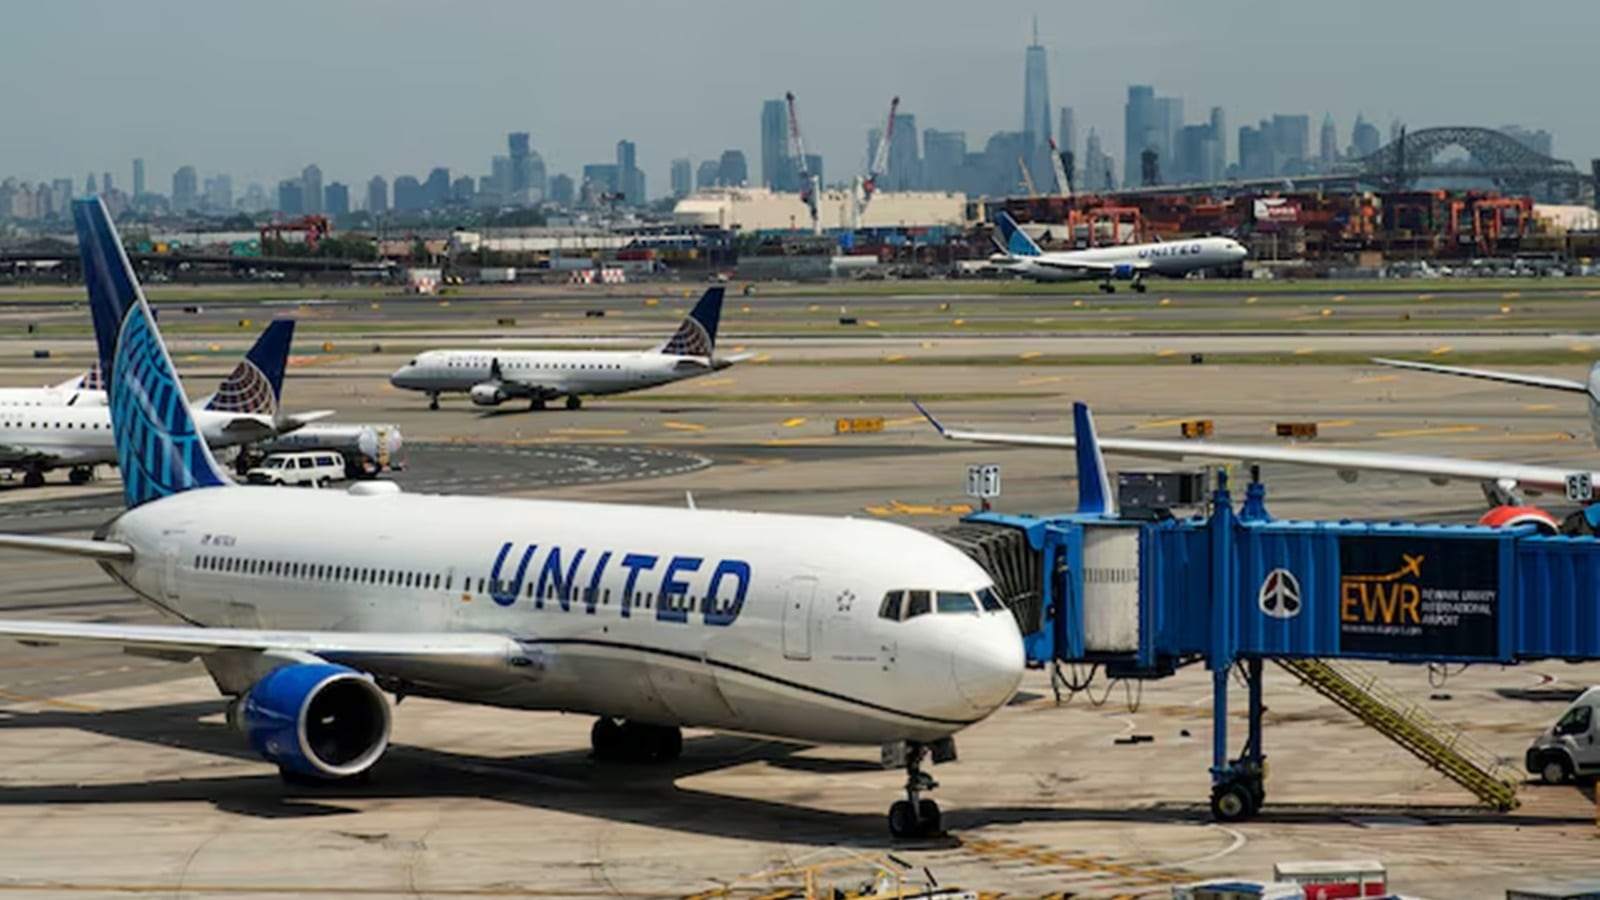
{"type": "Point", "coordinates": [86, 389]}
{"type": "Point", "coordinates": [74, 432]}
{"type": "Point", "coordinates": [1504, 484]}
{"type": "Point", "coordinates": [1123, 262]}
{"type": "Point", "coordinates": [491, 377]}
{"type": "Point", "coordinates": [307, 606]}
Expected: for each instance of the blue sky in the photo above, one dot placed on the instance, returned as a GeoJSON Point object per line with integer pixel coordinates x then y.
{"type": "Point", "coordinates": [258, 90]}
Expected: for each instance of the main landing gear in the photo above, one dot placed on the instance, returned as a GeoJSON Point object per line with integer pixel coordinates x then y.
{"type": "Point", "coordinates": [619, 740]}
{"type": "Point", "coordinates": [536, 403]}
{"type": "Point", "coordinates": [1107, 287]}
{"type": "Point", "coordinates": [80, 475]}
{"type": "Point", "coordinates": [33, 477]}
{"type": "Point", "coordinates": [916, 816]}
{"type": "Point", "coordinates": [433, 401]}
{"type": "Point", "coordinates": [574, 401]}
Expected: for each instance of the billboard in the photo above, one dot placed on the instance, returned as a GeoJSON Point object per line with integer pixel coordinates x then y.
{"type": "Point", "coordinates": [1424, 597]}
{"type": "Point", "coordinates": [1277, 209]}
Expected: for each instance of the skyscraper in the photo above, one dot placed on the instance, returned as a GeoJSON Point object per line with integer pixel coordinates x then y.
{"type": "Point", "coordinates": [1138, 126]}
{"type": "Point", "coordinates": [311, 189]}
{"type": "Point", "coordinates": [1328, 144]}
{"type": "Point", "coordinates": [377, 195]}
{"type": "Point", "coordinates": [706, 175]}
{"type": "Point", "coordinates": [732, 170]}
{"type": "Point", "coordinates": [408, 195]}
{"type": "Point", "coordinates": [905, 164]}
{"type": "Point", "coordinates": [1219, 131]}
{"type": "Point", "coordinates": [336, 198]}
{"type": "Point", "coordinates": [1097, 166]}
{"type": "Point", "coordinates": [1365, 139]}
{"type": "Point", "coordinates": [777, 169]}
{"type": "Point", "coordinates": [105, 182]}
{"type": "Point", "coordinates": [436, 190]}
{"type": "Point", "coordinates": [630, 179]}
{"type": "Point", "coordinates": [219, 193]}
{"type": "Point", "coordinates": [1291, 141]}
{"type": "Point", "coordinates": [943, 154]}
{"type": "Point", "coordinates": [521, 178]}
{"type": "Point", "coordinates": [138, 177]}
{"type": "Point", "coordinates": [185, 189]}
{"type": "Point", "coordinates": [291, 197]}
{"type": "Point", "coordinates": [1067, 134]}
{"type": "Point", "coordinates": [560, 190]}
{"type": "Point", "coordinates": [90, 186]}
{"type": "Point", "coordinates": [682, 178]}
{"type": "Point", "coordinates": [1035, 104]}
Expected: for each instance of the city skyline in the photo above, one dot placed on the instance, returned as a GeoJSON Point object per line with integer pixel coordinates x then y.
{"type": "Point", "coordinates": [353, 136]}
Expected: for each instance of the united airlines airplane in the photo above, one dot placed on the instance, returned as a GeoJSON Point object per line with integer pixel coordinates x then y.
{"type": "Point", "coordinates": [1123, 262]}
{"type": "Point", "coordinates": [49, 428]}
{"type": "Point", "coordinates": [307, 607]}
{"type": "Point", "coordinates": [491, 377]}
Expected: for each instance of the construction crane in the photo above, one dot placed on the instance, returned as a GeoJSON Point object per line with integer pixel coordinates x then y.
{"type": "Point", "coordinates": [880, 162]}
{"type": "Point", "coordinates": [809, 188]}
{"type": "Point", "coordinates": [1063, 185]}
{"type": "Point", "coordinates": [1027, 177]}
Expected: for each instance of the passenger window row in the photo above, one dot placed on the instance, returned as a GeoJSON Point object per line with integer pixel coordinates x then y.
{"type": "Point", "coordinates": [239, 565]}
{"type": "Point", "coordinates": [899, 606]}
{"type": "Point", "coordinates": [67, 426]}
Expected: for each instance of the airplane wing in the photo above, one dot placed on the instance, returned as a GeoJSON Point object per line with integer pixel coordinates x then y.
{"type": "Point", "coordinates": [297, 421]}
{"type": "Point", "coordinates": [1440, 469]}
{"type": "Point", "coordinates": [175, 641]}
{"type": "Point", "coordinates": [1538, 381]}
{"type": "Point", "coordinates": [68, 546]}
{"type": "Point", "coordinates": [1088, 267]}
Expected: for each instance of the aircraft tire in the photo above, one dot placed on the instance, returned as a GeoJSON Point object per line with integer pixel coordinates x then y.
{"type": "Point", "coordinates": [902, 820]}
{"type": "Point", "coordinates": [33, 478]}
{"type": "Point", "coordinates": [574, 401]}
{"type": "Point", "coordinates": [607, 739]}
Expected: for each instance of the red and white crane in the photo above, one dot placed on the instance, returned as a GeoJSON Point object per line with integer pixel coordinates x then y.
{"type": "Point", "coordinates": [797, 152]}
{"type": "Point", "coordinates": [1063, 185]}
{"type": "Point", "coordinates": [880, 162]}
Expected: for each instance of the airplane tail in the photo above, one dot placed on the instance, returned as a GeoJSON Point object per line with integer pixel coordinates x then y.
{"type": "Point", "coordinates": [1094, 485]}
{"type": "Point", "coordinates": [159, 450]}
{"type": "Point", "coordinates": [256, 385]}
{"type": "Point", "coordinates": [1017, 242]}
{"type": "Point", "coordinates": [697, 335]}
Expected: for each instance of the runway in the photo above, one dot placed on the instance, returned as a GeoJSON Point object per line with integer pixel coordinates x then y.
{"type": "Point", "coordinates": [116, 774]}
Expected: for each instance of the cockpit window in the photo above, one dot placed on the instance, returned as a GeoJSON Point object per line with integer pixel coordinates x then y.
{"type": "Point", "coordinates": [891, 606]}
{"type": "Point", "coordinates": [412, 363]}
{"type": "Point", "coordinates": [989, 600]}
{"type": "Point", "coordinates": [956, 602]}
{"type": "Point", "coordinates": [920, 603]}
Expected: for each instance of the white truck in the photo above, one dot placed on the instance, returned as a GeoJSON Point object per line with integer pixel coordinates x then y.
{"type": "Point", "coordinates": [367, 449]}
{"type": "Point", "coordinates": [1569, 748]}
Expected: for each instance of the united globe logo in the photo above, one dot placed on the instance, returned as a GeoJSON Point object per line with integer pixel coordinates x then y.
{"type": "Point", "coordinates": [247, 390]}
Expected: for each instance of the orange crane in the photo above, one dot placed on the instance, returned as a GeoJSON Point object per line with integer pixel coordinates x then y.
{"type": "Point", "coordinates": [315, 229]}
{"type": "Point", "coordinates": [809, 188]}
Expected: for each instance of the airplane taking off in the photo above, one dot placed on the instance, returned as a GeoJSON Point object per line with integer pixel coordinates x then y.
{"type": "Point", "coordinates": [49, 428]}
{"type": "Point", "coordinates": [307, 606]}
{"type": "Point", "coordinates": [491, 377]}
{"type": "Point", "coordinates": [1505, 485]}
{"type": "Point", "coordinates": [1123, 262]}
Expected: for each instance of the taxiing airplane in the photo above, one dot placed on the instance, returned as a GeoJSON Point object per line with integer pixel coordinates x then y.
{"type": "Point", "coordinates": [491, 377]}
{"type": "Point", "coordinates": [306, 607]}
{"type": "Point", "coordinates": [44, 429]}
{"type": "Point", "coordinates": [1122, 262]}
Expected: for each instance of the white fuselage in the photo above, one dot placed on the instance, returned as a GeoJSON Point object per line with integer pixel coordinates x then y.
{"type": "Point", "coordinates": [551, 373]}
{"type": "Point", "coordinates": [51, 396]}
{"type": "Point", "coordinates": [1169, 258]}
{"type": "Point", "coordinates": [81, 435]}
{"type": "Point", "coordinates": [746, 622]}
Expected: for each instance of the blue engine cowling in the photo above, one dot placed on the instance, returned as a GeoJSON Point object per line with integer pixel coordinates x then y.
{"type": "Point", "coordinates": [1122, 271]}
{"type": "Point", "coordinates": [316, 719]}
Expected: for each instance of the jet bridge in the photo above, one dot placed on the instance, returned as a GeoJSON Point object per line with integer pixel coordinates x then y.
{"type": "Point", "coordinates": [1238, 588]}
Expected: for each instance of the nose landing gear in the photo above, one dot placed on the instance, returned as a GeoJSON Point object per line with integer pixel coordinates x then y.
{"type": "Point", "coordinates": [916, 816]}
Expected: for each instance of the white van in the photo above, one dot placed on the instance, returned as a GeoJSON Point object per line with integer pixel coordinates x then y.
{"type": "Point", "coordinates": [312, 468]}
{"type": "Point", "coordinates": [1568, 748]}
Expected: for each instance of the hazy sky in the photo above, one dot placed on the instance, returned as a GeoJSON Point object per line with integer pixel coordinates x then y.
{"type": "Point", "coordinates": [391, 87]}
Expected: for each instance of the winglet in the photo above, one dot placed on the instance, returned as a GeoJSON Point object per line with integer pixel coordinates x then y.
{"type": "Point", "coordinates": [256, 385]}
{"type": "Point", "coordinates": [937, 425]}
{"type": "Point", "coordinates": [1094, 485]}
{"type": "Point", "coordinates": [159, 449]}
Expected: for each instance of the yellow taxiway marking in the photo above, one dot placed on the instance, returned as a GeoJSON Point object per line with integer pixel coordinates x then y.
{"type": "Point", "coordinates": [1249, 300]}
{"type": "Point", "coordinates": [591, 432]}
{"type": "Point", "coordinates": [1428, 432]}
{"type": "Point", "coordinates": [13, 697]}
{"type": "Point", "coordinates": [714, 382]}
{"type": "Point", "coordinates": [1304, 351]}
{"type": "Point", "coordinates": [683, 426]}
{"type": "Point", "coordinates": [1510, 295]}
{"type": "Point", "coordinates": [896, 508]}
{"type": "Point", "coordinates": [1337, 423]}
{"type": "Point", "coordinates": [1538, 407]}
{"type": "Point", "coordinates": [1338, 298]}
{"type": "Point", "coordinates": [1535, 437]}
{"type": "Point", "coordinates": [1166, 353]}
{"type": "Point", "coordinates": [1042, 379]}
{"type": "Point", "coordinates": [795, 442]}
{"type": "Point", "coordinates": [765, 357]}
{"type": "Point", "coordinates": [1582, 348]}
{"type": "Point", "coordinates": [1375, 379]}
{"type": "Point", "coordinates": [796, 421]}
{"type": "Point", "coordinates": [1440, 351]}
{"type": "Point", "coordinates": [1163, 423]}
{"type": "Point", "coordinates": [1031, 354]}
{"type": "Point", "coordinates": [1424, 297]}
{"type": "Point", "coordinates": [894, 357]}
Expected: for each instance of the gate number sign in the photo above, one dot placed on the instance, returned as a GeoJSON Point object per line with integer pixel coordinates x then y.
{"type": "Point", "coordinates": [983, 481]}
{"type": "Point", "coordinates": [1580, 487]}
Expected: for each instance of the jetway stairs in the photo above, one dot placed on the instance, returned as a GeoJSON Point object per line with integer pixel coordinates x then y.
{"type": "Point", "coordinates": [1441, 745]}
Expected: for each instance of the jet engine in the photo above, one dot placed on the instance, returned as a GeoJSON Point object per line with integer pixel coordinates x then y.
{"type": "Point", "coordinates": [1512, 516]}
{"type": "Point", "coordinates": [489, 393]}
{"type": "Point", "coordinates": [316, 719]}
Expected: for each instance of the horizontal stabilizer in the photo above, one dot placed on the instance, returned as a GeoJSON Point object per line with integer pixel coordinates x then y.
{"type": "Point", "coordinates": [67, 546]}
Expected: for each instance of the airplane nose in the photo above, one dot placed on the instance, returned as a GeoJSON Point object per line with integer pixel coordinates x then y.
{"type": "Point", "coordinates": [400, 377]}
{"type": "Point", "coordinates": [988, 662]}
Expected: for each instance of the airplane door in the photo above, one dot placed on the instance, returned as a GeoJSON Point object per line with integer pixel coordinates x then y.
{"type": "Point", "coordinates": [797, 617]}
{"type": "Point", "coordinates": [169, 573]}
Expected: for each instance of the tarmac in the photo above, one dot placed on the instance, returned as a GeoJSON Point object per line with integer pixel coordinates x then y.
{"type": "Point", "coordinates": [117, 776]}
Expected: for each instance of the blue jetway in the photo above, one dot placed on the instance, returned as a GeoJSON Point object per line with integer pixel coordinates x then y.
{"type": "Point", "coordinates": [1143, 598]}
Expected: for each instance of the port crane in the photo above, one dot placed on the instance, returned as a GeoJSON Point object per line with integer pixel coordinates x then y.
{"type": "Point", "coordinates": [880, 162]}
{"type": "Point", "coordinates": [809, 181]}
{"type": "Point", "coordinates": [1063, 184]}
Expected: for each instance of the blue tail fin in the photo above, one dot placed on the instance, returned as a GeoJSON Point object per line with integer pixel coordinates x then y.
{"type": "Point", "coordinates": [697, 336]}
{"type": "Point", "coordinates": [1016, 240]}
{"type": "Point", "coordinates": [256, 384]}
{"type": "Point", "coordinates": [1094, 486]}
{"type": "Point", "coordinates": [159, 450]}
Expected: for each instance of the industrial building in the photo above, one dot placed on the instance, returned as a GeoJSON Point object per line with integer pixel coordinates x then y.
{"type": "Point", "coordinates": [758, 210]}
